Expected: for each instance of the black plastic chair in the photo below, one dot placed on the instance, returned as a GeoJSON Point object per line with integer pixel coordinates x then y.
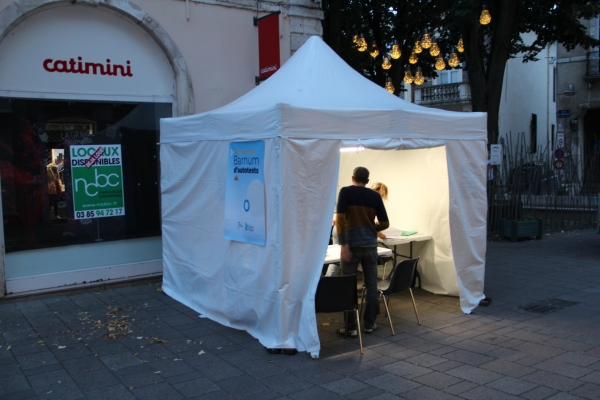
{"type": "Point", "coordinates": [383, 260]}
{"type": "Point", "coordinates": [401, 280]}
{"type": "Point", "coordinates": [337, 294]}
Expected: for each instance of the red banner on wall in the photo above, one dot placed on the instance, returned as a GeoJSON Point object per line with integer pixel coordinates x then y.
{"type": "Point", "coordinates": [268, 46]}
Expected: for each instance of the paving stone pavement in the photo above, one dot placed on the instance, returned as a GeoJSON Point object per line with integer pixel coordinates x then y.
{"type": "Point", "coordinates": [133, 341]}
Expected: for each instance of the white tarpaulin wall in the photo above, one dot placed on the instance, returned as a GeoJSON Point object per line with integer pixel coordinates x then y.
{"type": "Point", "coordinates": [305, 112]}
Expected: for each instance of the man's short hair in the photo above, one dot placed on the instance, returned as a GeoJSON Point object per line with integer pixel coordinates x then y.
{"type": "Point", "coordinates": [361, 175]}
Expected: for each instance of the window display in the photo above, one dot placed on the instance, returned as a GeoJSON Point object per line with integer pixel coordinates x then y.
{"type": "Point", "coordinates": [76, 172]}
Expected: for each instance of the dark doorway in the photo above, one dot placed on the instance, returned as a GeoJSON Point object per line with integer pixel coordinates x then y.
{"type": "Point", "coordinates": [591, 153]}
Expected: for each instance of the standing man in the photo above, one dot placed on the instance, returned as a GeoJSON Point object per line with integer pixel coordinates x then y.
{"type": "Point", "coordinates": [357, 208]}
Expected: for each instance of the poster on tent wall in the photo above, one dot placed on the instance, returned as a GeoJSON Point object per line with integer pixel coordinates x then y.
{"type": "Point", "coordinates": [97, 181]}
{"type": "Point", "coordinates": [245, 193]}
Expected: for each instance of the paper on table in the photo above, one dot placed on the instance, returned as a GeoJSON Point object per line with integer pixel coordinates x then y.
{"type": "Point", "coordinates": [409, 233]}
{"type": "Point", "coordinates": [392, 233]}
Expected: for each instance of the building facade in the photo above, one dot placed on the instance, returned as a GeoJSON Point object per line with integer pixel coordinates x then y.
{"type": "Point", "coordinates": [449, 91]}
{"type": "Point", "coordinates": [83, 85]}
{"type": "Point", "coordinates": [527, 117]}
{"type": "Point", "coordinates": [578, 112]}
{"type": "Point", "coordinates": [527, 114]}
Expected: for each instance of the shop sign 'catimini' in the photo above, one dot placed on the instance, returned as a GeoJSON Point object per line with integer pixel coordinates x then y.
{"type": "Point", "coordinates": [79, 67]}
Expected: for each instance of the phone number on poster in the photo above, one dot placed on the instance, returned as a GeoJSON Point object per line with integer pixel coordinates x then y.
{"type": "Point", "coordinates": [107, 212]}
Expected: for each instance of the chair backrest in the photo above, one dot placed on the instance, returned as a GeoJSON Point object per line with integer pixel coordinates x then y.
{"type": "Point", "coordinates": [336, 294]}
{"type": "Point", "coordinates": [402, 277]}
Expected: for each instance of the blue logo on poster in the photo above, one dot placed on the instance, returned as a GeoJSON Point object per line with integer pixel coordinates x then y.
{"type": "Point", "coordinates": [246, 205]}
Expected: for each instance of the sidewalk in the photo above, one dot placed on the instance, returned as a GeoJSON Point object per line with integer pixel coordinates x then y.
{"type": "Point", "coordinates": [136, 342]}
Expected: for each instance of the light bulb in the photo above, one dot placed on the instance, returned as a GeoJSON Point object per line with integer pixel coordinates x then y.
{"type": "Point", "coordinates": [426, 41]}
{"type": "Point", "coordinates": [434, 50]}
{"type": "Point", "coordinates": [374, 50]}
{"type": "Point", "coordinates": [453, 60]}
{"type": "Point", "coordinates": [460, 46]}
{"type": "Point", "coordinates": [362, 43]}
{"type": "Point", "coordinates": [408, 77]}
{"type": "Point", "coordinates": [395, 53]}
{"type": "Point", "coordinates": [413, 58]}
{"type": "Point", "coordinates": [485, 17]}
{"type": "Point", "coordinates": [389, 86]}
{"type": "Point", "coordinates": [419, 78]}
{"type": "Point", "coordinates": [386, 63]}
{"type": "Point", "coordinates": [440, 64]}
{"type": "Point", "coordinates": [355, 39]}
{"type": "Point", "coordinates": [418, 49]}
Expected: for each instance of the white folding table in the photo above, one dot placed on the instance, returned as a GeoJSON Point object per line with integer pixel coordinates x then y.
{"type": "Point", "coordinates": [333, 253]}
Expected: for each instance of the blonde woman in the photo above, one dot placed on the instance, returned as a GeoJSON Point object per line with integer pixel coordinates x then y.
{"type": "Point", "coordinates": [381, 189]}
{"type": "Point", "coordinates": [383, 192]}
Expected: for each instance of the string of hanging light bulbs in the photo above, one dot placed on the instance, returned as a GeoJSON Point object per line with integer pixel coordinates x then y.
{"type": "Point", "coordinates": [426, 42]}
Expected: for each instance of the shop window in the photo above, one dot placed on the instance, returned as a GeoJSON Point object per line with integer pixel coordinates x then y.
{"type": "Point", "coordinates": [42, 145]}
{"type": "Point", "coordinates": [450, 76]}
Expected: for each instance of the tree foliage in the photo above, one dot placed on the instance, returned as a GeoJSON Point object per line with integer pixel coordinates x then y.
{"type": "Point", "coordinates": [487, 47]}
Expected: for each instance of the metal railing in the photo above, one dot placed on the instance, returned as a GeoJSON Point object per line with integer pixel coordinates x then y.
{"type": "Point", "coordinates": [528, 186]}
{"type": "Point", "coordinates": [556, 212]}
{"type": "Point", "coordinates": [443, 94]}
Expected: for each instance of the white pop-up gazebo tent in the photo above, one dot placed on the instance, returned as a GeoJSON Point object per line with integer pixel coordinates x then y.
{"type": "Point", "coordinates": [313, 106]}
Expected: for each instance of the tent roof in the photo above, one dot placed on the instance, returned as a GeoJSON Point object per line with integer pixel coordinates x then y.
{"type": "Point", "coordinates": [316, 77]}
{"type": "Point", "coordinates": [316, 94]}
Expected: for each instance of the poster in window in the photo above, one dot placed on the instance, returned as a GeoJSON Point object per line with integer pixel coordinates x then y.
{"type": "Point", "coordinates": [97, 179]}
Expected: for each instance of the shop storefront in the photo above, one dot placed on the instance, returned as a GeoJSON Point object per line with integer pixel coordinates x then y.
{"type": "Point", "coordinates": [67, 100]}
{"type": "Point", "coordinates": [83, 86]}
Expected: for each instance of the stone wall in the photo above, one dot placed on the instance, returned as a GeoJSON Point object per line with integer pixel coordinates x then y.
{"type": "Point", "coordinates": [304, 16]}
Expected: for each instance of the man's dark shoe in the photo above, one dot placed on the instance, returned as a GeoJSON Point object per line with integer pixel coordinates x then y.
{"type": "Point", "coordinates": [274, 351]}
{"type": "Point", "coordinates": [351, 333]}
